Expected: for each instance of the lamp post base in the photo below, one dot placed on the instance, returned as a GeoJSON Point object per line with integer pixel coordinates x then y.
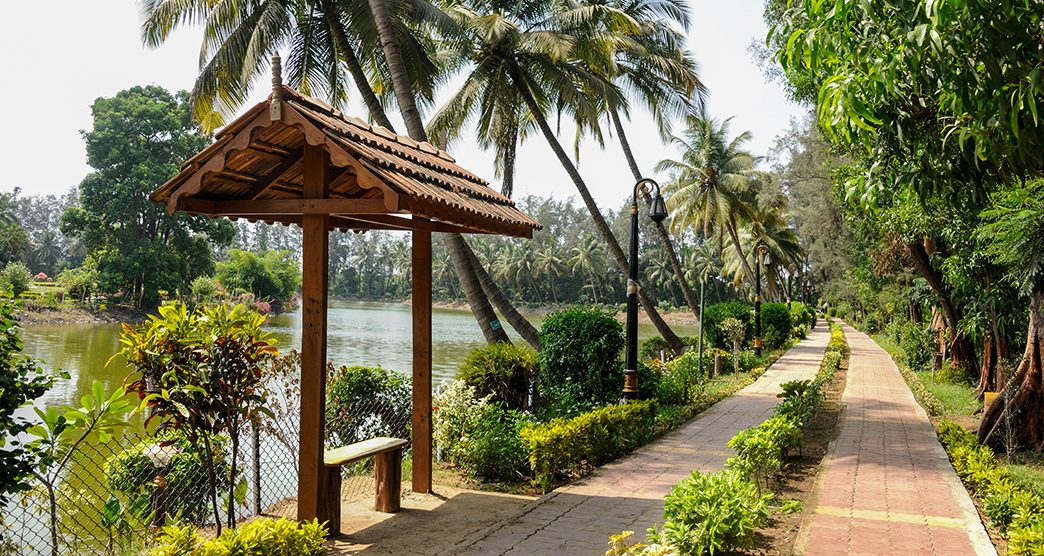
{"type": "Point", "coordinates": [630, 390]}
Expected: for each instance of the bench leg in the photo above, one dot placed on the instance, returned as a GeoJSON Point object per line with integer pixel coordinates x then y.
{"type": "Point", "coordinates": [387, 468]}
{"type": "Point", "coordinates": [330, 481]}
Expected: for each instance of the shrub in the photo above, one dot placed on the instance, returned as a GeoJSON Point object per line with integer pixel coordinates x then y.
{"type": "Point", "coordinates": [271, 537]}
{"type": "Point", "coordinates": [916, 343]}
{"type": "Point", "coordinates": [718, 312]}
{"type": "Point", "coordinates": [131, 472]}
{"type": "Point", "coordinates": [650, 378]}
{"type": "Point", "coordinates": [735, 331]}
{"type": "Point", "coordinates": [872, 324]}
{"type": "Point", "coordinates": [657, 348]}
{"type": "Point", "coordinates": [775, 325]}
{"type": "Point", "coordinates": [580, 357]}
{"type": "Point", "coordinates": [15, 278]}
{"type": "Point", "coordinates": [1005, 502]}
{"type": "Point", "coordinates": [802, 315]}
{"type": "Point", "coordinates": [492, 449]}
{"type": "Point", "coordinates": [455, 410]}
{"type": "Point", "coordinates": [713, 513]}
{"type": "Point", "coordinates": [503, 371]}
{"type": "Point", "coordinates": [949, 374]}
{"type": "Point", "coordinates": [760, 449]}
{"type": "Point", "coordinates": [564, 447]}
{"type": "Point", "coordinates": [366, 402]}
{"type": "Point", "coordinates": [1027, 535]}
{"type": "Point", "coordinates": [748, 361]}
{"type": "Point", "coordinates": [683, 375]}
{"type": "Point", "coordinates": [204, 289]}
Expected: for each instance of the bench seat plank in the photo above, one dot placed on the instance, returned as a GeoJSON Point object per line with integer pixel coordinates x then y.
{"type": "Point", "coordinates": [362, 450]}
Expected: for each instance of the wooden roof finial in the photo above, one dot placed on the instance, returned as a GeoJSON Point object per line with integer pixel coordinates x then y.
{"type": "Point", "coordinates": [275, 110]}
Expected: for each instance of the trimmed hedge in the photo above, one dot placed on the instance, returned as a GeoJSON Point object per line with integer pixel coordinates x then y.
{"type": "Point", "coordinates": [580, 363]}
{"type": "Point", "coordinates": [503, 371]}
{"type": "Point", "coordinates": [775, 325]}
{"type": "Point", "coordinates": [561, 447]}
{"type": "Point", "coordinates": [718, 312]}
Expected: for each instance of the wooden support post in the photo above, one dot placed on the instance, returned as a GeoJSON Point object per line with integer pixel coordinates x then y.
{"type": "Point", "coordinates": [312, 499]}
{"type": "Point", "coordinates": [387, 470]}
{"type": "Point", "coordinates": [421, 361]}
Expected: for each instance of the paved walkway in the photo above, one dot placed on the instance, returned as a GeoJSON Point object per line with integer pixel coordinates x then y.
{"type": "Point", "coordinates": [887, 486]}
{"type": "Point", "coordinates": [628, 494]}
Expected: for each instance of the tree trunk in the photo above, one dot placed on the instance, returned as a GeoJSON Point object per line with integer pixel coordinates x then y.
{"type": "Point", "coordinates": [1027, 400]}
{"type": "Point", "coordinates": [734, 237]}
{"type": "Point", "coordinates": [962, 351]}
{"type": "Point", "coordinates": [617, 253]}
{"type": "Point", "coordinates": [333, 19]}
{"type": "Point", "coordinates": [661, 230]}
{"type": "Point", "coordinates": [497, 297]}
{"type": "Point", "coordinates": [995, 354]}
{"type": "Point", "coordinates": [458, 249]}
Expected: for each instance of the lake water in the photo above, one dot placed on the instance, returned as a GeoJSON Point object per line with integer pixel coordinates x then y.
{"type": "Point", "coordinates": [360, 333]}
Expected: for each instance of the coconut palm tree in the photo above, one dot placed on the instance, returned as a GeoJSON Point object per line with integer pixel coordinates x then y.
{"type": "Point", "coordinates": [537, 54]}
{"type": "Point", "coordinates": [588, 260]}
{"type": "Point", "coordinates": [712, 182]}
{"type": "Point", "coordinates": [549, 265]}
{"type": "Point", "coordinates": [239, 39]}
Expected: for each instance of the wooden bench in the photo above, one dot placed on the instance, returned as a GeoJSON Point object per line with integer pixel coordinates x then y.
{"type": "Point", "coordinates": [387, 469]}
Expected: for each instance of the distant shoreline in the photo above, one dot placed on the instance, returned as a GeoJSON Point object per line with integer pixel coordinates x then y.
{"type": "Point", "coordinates": [67, 314]}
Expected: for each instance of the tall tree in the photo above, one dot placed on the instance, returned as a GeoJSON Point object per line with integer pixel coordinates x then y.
{"type": "Point", "coordinates": [537, 53]}
{"type": "Point", "coordinates": [139, 139]}
{"type": "Point", "coordinates": [712, 183]}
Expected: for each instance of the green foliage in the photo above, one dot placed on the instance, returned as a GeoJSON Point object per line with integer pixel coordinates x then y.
{"type": "Point", "coordinates": [657, 348]}
{"type": "Point", "coordinates": [21, 381]}
{"type": "Point", "coordinates": [270, 276]}
{"type": "Point", "coordinates": [15, 278]}
{"type": "Point", "coordinates": [79, 282]}
{"type": "Point", "coordinates": [760, 449]}
{"type": "Point", "coordinates": [1027, 535]}
{"type": "Point", "coordinates": [802, 315]}
{"type": "Point", "coordinates": [271, 537]}
{"type": "Point", "coordinates": [872, 324]}
{"type": "Point", "coordinates": [202, 372]}
{"type": "Point", "coordinates": [131, 471]}
{"type": "Point", "coordinates": [492, 449]}
{"type": "Point", "coordinates": [503, 371]}
{"type": "Point", "coordinates": [775, 325]}
{"type": "Point", "coordinates": [455, 411]}
{"type": "Point", "coordinates": [682, 376]}
{"type": "Point", "coordinates": [949, 374]}
{"type": "Point", "coordinates": [714, 315]}
{"type": "Point", "coordinates": [366, 402]}
{"type": "Point", "coordinates": [139, 139]}
{"type": "Point", "coordinates": [580, 357]}
{"type": "Point", "coordinates": [205, 289]}
{"type": "Point", "coordinates": [713, 513]}
{"type": "Point", "coordinates": [563, 447]}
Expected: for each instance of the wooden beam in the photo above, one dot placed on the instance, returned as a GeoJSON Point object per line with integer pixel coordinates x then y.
{"type": "Point", "coordinates": [313, 501]}
{"type": "Point", "coordinates": [421, 224]}
{"type": "Point", "coordinates": [421, 361]}
{"type": "Point", "coordinates": [307, 205]}
{"type": "Point", "coordinates": [266, 181]}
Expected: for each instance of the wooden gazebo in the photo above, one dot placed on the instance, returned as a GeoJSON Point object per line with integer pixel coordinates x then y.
{"type": "Point", "coordinates": [294, 159]}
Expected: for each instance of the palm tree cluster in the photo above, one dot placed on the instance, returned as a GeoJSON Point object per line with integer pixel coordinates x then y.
{"type": "Point", "coordinates": [519, 65]}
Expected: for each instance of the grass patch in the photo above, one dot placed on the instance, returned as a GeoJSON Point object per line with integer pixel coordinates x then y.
{"type": "Point", "coordinates": [1029, 476]}
{"type": "Point", "coordinates": [958, 400]}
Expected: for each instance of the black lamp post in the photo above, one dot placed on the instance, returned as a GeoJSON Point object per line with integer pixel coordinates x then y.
{"type": "Point", "coordinates": [761, 256]}
{"type": "Point", "coordinates": [657, 212]}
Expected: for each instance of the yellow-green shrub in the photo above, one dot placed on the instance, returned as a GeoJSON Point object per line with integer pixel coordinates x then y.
{"type": "Point", "coordinates": [271, 537]}
{"type": "Point", "coordinates": [562, 447]}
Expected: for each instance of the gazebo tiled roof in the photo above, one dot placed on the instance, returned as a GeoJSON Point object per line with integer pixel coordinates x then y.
{"type": "Point", "coordinates": [380, 180]}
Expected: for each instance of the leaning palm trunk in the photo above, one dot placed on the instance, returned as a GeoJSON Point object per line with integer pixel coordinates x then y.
{"type": "Point", "coordinates": [333, 19]}
{"type": "Point", "coordinates": [734, 237]}
{"type": "Point", "coordinates": [661, 230]}
{"type": "Point", "coordinates": [497, 297]}
{"type": "Point", "coordinates": [603, 228]}
{"type": "Point", "coordinates": [460, 254]}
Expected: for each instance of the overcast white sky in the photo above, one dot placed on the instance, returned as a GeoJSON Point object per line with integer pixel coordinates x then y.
{"type": "Point", "coordinates": [55, 66]}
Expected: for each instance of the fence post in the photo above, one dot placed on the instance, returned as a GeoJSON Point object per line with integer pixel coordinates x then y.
{"type": "Point", "coordinates": [257, 468]}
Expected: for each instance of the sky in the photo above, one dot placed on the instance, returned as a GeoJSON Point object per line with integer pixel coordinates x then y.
{"type": "Point", "coordinates": [54, 70]}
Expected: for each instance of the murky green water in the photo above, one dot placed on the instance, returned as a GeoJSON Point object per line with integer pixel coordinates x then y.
{"type": "Point", "coordinates": [360, 333]}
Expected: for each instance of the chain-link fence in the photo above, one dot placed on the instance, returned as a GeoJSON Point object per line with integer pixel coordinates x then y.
{"type": "Point", "coordinates": [114, 496]}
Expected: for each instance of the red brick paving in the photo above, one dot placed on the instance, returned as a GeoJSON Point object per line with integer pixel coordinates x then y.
{"type": "Point", "coordinates": [628, 494]}
{"type": "Point", "coordinates": [887, 486]}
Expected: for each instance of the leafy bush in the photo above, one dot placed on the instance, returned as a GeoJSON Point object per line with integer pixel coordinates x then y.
{"type": "Point", "coordinates": [271, 537]}
{"type": "Point", "coordinates": [748, 361]}
{"type": "Point", "coordinates": [735, 330]}
{"type": "Point", "coordinates": [775, 325]}
{"type": "Point", "coordinates": [492, 449]}
{"type": "Point", "coordinates": [580, 357]}
{"type": "Point", "coordinates": [455, 410]}
{"type": "Point", "coordinates": [657, 348]}
{"type": "Point", "coordinates": [503, 371]}
{"type": "Point", "coordinates": [718, 312]}
{"type": "Point", "coordinates": [15, 278]}
{"type": "Point", "coordinates": [713, 513]}
{"type": "Point", "coordinates": [760, 449]}
{"type": "Point", "coordinates": [916, 343]}
{"type": "Point", "coordinates": [564, 447]}
{"type": "Point", "coordinates": [271, 275]}
{"type": "Point", "coordinates": [681, 378]}
{"type": "Point", "coordinates": [366, 402]}
{"type": "Point", "coordinates": [131, 472]}
{"type": "Point", "coordinates": [949, 374]}
{"type": "Point", "coordinates": [79, 282]}
{"type": "Point", "coordinates": [802, 315]}
{"type": "Point", "coordinates": [1027, 535]}
{"type": "Point", "coordinates": [1005, 502]}
{"type": "Point", "coordinates": [204, 289]}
